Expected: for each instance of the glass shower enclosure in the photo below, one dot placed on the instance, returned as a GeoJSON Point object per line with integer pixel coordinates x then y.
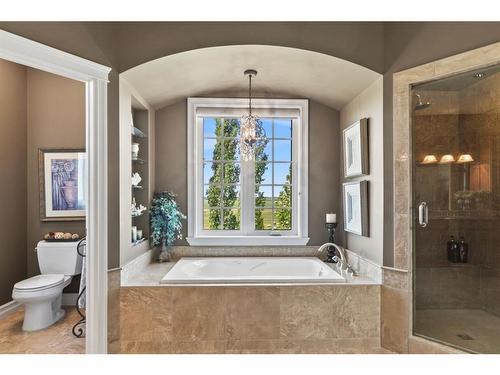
{"type": "Point", "coordinates": [456, 194]}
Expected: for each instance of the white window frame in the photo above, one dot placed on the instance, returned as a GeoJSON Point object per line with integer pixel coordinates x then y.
{"type": "Point", "coordinates": [298, 110]}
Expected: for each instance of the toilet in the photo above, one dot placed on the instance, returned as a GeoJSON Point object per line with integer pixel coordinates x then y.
{"type": "Point", "coordinates": [41, 295]}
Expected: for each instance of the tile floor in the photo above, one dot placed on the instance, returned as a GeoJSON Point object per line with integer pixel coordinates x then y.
{"type": "Point", "coordinates": [474, 330]}
{"type": "Point", "coordinates": [57, 339]}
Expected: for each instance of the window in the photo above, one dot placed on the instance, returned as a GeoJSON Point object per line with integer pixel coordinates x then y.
{"type": "Point", "coordinates": [232, 201]}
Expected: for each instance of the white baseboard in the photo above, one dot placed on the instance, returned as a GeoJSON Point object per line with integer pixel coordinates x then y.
{"type": "Point", "coordinates": [9, 308]}
{"type": "Point", "coordinates": [69, 299]}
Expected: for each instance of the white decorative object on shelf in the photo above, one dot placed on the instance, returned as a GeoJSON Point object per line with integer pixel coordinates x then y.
{"type": "Point", "coordinates": [137, 210]}
{"type": "Point", "coordinates": [135, 150]}
{"type": "Point", "coordinates": [136, 179]}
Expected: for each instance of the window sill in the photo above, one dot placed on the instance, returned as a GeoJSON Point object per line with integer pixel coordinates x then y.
{"type": "Point", "coordinates": [247, 241]}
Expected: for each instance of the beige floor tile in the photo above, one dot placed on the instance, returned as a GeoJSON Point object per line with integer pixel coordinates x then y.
{"type": "Point", "coordinates": [56, 339]}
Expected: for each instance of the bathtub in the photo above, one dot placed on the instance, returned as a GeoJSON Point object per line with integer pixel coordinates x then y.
{"type": "Point", "coordinates": [252, 270]}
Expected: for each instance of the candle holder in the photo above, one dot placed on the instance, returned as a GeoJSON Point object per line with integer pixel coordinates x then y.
{"type": "Point", "coordinates": [331, 250]}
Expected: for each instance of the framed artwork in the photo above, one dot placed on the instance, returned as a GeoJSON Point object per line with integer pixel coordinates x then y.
{"type": "Point", "coordinates": [355, 198]}
{"type": "Point", "coordinates": [355, 139]}
{"type": "Point", "coordinates": [62, 179]}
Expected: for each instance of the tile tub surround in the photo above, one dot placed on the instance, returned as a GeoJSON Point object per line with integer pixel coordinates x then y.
{"type": "Point", "coordinates": [251, 319]}
{"type": "Point", "coordinates": [144, 271]}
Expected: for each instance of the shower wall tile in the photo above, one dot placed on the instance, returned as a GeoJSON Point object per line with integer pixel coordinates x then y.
{"type": "Point", "coordinates": [260, 319]}
{"type": "Point", "coordinates": [401, 241]}
{"type": "Point", "coordinates": [468, 60]}
{"type": "Point", "coordinates": [454, 287]}
{"type": "Point", "coordinates": [490, 289]}
{"type": "Point", "coordinates": [401, 194]}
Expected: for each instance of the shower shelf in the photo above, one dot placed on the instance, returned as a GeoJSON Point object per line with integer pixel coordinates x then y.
{"type": "Point", "coordinates": [461, 215]}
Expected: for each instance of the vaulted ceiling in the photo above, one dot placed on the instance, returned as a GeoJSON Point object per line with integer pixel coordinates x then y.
{"type": "Point", "coordinates": [286, 71]}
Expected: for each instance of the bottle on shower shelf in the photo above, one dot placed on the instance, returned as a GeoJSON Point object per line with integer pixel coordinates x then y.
{"type": "Point", "coordinates": [450, 246]}
{"type": "Point", "coordinates": [463, 250]}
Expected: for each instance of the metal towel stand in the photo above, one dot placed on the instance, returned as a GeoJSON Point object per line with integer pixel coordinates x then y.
{"type": "Point", "coordinates": [79, 328]}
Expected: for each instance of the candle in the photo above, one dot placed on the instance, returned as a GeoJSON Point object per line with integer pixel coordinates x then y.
{"type": "Point", "coordinates": [134, 233]}
{"type": "Point", "coordinates": [331, 218]}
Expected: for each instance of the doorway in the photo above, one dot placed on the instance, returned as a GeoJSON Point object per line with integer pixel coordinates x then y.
{"type": "Point", "coordinates": [94, 76]}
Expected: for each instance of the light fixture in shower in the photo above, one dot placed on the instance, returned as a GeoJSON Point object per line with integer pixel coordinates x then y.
{"type": "Point", "coordinates": [429, 159]}
{"type": "Point", "coordinates": [447, 159]}
{"type": "Point", "coordinates": [421, 105]}
{"type": "Point", "coordinates": [465, 158]}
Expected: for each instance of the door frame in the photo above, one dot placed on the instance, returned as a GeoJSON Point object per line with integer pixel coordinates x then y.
{"type": "Point", "coordinates": [95, 76]}
{"type": "Point", "coordinates": [404, 209]}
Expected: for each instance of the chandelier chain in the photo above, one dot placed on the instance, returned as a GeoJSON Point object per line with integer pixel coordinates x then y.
{"type": "Point", "coordinates": [250, 95]}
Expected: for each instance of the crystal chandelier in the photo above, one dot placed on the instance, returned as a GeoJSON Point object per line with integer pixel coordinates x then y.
{"type": "Point", "coordinates": [251, 130]}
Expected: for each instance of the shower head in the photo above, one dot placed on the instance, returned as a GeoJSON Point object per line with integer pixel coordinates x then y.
{"type": "Point", "coordinates": [420, 104]}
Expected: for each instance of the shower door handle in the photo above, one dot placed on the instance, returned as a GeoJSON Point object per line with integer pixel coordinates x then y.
{"type": "Point", "coordinates": [423, 214]}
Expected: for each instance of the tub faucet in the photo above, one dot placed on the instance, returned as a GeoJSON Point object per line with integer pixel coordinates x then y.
{"type": "Point", "coordinates": [341, 259]}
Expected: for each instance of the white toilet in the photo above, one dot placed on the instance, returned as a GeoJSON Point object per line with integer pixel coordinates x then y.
{"type": "Point", "coordinates": [42, 294]}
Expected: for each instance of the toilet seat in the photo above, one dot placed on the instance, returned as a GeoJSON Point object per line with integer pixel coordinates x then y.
{"type": "Point", "coordinates": [40, 282]}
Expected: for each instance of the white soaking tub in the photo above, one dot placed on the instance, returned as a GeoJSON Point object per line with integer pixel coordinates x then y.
{"type": "Point", "coordinates": [251, 270]}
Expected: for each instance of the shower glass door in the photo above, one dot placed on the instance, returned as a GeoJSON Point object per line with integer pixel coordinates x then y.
{"type": "Point", "coordinates": [456, 192]}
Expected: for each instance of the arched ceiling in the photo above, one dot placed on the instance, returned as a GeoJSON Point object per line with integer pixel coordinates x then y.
{"type": "Point", "coordinates": [287, 71]}
{"type": "Point", "coordinates": [359, 42]}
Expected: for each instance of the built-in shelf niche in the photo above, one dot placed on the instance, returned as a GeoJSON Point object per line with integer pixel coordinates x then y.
{"type": "Point", "coordinates": [136, 126]}
{"type": "Point", "coordinates": [139, 135]}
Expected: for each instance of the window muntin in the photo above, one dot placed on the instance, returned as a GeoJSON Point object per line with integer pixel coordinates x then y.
{"type": "Point", "coordinates": [221, 174]}
{"type": "Point", "coordinates": [273, 177]}
{"type": "Point", "coordinates": [270, 176]}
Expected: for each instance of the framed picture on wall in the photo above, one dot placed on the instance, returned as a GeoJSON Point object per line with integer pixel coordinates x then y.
{"type": "Point", "coordinates": [355, 143]}
{"type": "Point", "coordinates": [62, 175]}
{"type": "Point", "coordinates": [355, 202]}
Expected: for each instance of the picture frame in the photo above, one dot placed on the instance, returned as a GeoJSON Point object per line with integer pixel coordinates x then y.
{"type": "Point", "coordinates": [62, 182]}
{"type": "Point", "coordinates": [355, 146]}
{"type": "Point", "coordinates": [355, 204]}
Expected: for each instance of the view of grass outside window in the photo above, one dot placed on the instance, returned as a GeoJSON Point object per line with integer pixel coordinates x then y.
{"type": "Point", "coordinates": [271, 170]}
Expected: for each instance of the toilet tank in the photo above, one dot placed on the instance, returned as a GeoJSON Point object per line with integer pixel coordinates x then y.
{"type": "Point", "coordinates": [59, 258]}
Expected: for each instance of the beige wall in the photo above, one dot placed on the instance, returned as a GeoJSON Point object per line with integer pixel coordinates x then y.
{"type": "Point", "coordinates": [369, 104]}
{"type": "Point", "coordinates": [384, 47]}
{"type": "Point", "coordinates": [171, 162]}
{"type": "Point", "coordinates": [96, 41]}
{"type": "Point", "coordinates": [56, 119]}
{"type": "Point", "coordinates": [13, 171]}
{"type": "Point", "coordinates": [39, 110]}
